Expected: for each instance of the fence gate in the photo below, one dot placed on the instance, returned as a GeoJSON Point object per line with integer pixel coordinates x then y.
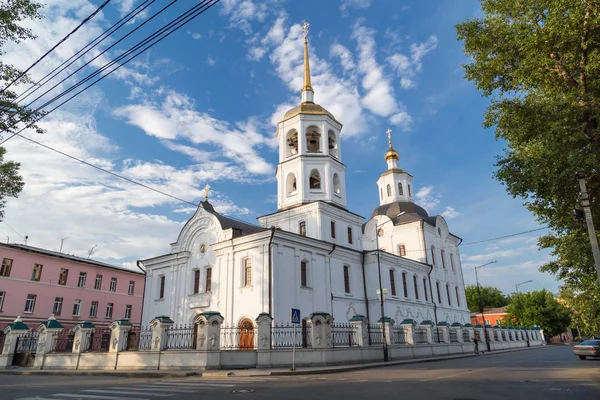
{"type": "Point", "coordinates": [26, 349]}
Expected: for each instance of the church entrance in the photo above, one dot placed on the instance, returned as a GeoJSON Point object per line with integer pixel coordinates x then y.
{"type": "Point", "coordinates": [246, 334]}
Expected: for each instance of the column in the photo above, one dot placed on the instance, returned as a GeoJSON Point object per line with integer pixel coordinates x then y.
{"type": "Point", "coordinates": [321, 330]}
{"type": "Point", "coordinates": [118, 336]}
{"type": "Point", "coordinates": [442, 327]}
{"type": "Point", "coordinates": [470, 332]}
{"type": "Point", "coordinates": [387, 324]}
{"type": "Point", "coordinates": [498, 333]}
{"type": "Point", "coordinates": [428, 327]}
{"type": "Point", "coordinates": [264, 323]}
{"type": "Point", "coordinates": [159, 327]}
{"type": "Point", "coordinates": [457, 327]}
{"type": "Point", "coordinates": [81, 341]}
{"type": "Point", "coordinates": [12, 332]}
{"type": "Point", "coordinates": [361, 325]}
{"type": "Point", "coordinates": [209, 331]}
{"type": "Point", "coordinates": [409, 328]}
{"type": "Point", "coordinates": [46, 341]}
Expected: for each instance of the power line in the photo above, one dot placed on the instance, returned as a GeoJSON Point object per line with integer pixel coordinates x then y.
{"type": "Point", "coordinates": [14, 230]}
{"type": "Point", "coordinates": [89, 17]}
{"type": "Point", "coordinates": [506, 236]}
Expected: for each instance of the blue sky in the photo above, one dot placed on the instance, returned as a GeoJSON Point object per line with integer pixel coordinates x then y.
{"type": "Point", "coordinates": [201, 107]}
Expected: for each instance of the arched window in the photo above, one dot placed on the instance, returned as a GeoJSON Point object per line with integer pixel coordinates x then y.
{"type": "Point", "coordinates": [161, 287]}
{"type": "Point", "coordinates": [381, 191]}
{"type": "Point", "coordinates": [333, 229]}
{"type": "Point", "coordinates": [416, 287]}
{"type": "Point", "coordinates": [208, 284]}
{"type": "Point", "coordinates": [432, 254]}
{"type": "Point", "coordinates": [292, 143]}
{"type": "Point", "coordinates": [247, 272]}
{"type": "Point", "coordinates": [404, 285]}
{"type": "Point", "coordinates": [437, 286]}
{"type": "Point", "coordinates": [302, 228]}
{"type": "Point", "coordinates": [336, 184]}
{"type": "Point", "coordinates": [457, 296]}
{"type": "Point", "coordinates": [389, 190]}
{"type": "Point", "coordinates": [291, 184]}
{"type": "Point", "coordinates": [393, 281]}
{"type": "Point", "coordinates": [313, 139]}
{"type": "Point", "coordinates": [452, 261]}
{"type": "Point", "coordinates": [425, 289]}
{"type": "Point", "coordinates": [303, 274]}
{"type": "Point", "coordinates": [401, 250]}
{"type": "Point", "coordinates": [448, 295]}
{"type": "Point", "coordinates": [443, 259]}
{"type": "Point", "coordinates": [409, 193]}
{"type": "Point", "coordinates": [315, 179]}
{"type": "Point", "coordinates": [332, 143]}
{"type": "Point", "coordinates": [400, 190]}
{"type": "Point", "coordinates": [347, 278]}
{"type": "Point", "coordinates": [196, 281]}
{"type": "Point", "coordinates": [349, 235]}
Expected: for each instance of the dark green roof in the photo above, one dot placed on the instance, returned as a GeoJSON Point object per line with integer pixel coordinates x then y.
{"type": "Point", "coordinates": [442, 323]}
{"type": "Point", "coordinates": [164, 318]}
{"type": "Point", "coordinates": [427, 322]}
{"type": "Point", "coordinates": [408, 321]}
{"type": "Point", "coordinates": [468, 325]}
{"type": "Point", "coordinates": [497, 327]}
{"type": "Point", "coordinates": [488, 326]}
{"type": "Point", "coordinates": [52, 324]}
{"type": "Point", "coordinates": [123, 322]}
{"type": "Point", "coordinates": [358, 317]}
{"type": "Point", "coordinates": [320, 314]}
{"type": "Point", "coordinates": [479, 326]}
{"type": "Point", "coordinates": [86, 324]}
{"type": "Point", "coordinates": [208, 314]}
{"type": "Point", "coordinates": [457, 325]}
{"type": "Point", "coordinates": [18, 326]}
{"type": "Point", "coordinates": [385, 319]}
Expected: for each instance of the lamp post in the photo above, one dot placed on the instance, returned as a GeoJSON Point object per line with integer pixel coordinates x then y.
{"type": "Point", "coordinates": [487, 342]}
{"type": "Point", "coordinates": [522, 283]}
{"type": "Point", "coordinates": [587, 210]}
{"type": "Point", "coordinates": [385, 347]}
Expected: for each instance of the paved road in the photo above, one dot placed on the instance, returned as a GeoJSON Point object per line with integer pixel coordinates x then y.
{"type": "Point", "coordinates": [548, 373]}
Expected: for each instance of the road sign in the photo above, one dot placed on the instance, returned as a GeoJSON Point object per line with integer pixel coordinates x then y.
{"type": "Point", "coordinates": [295, 317]}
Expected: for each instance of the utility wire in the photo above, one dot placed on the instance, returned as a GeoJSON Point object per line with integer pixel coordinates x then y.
{"type": "Point", "coordinates": [506, 236]}
{"type": "Point", "coordinates": [89, 17]}
{"type": "Point", "coordinates": [14, 230]}
{"type": "Point", "coordinates": [75, 57]}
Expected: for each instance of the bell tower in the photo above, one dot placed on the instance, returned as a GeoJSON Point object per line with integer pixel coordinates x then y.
{"type": "Point", "coordinates": [394, 184]}
{"type": "Point", "coordinates": [310, 160]}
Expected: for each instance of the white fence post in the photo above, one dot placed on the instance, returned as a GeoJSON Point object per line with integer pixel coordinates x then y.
{"type": "Point", "coordinates": [360, 324]}
{"type": "Point", "coordinates": [47, 331]}
{"type": "Point", "coordinates": [159, 326]}
{"type": "Point", "coordinates": [12, 332]}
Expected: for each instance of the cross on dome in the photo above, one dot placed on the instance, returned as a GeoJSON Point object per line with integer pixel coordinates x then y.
{"type": "Point", "coordinates": [305, 29]}
{"type": "Point", "coordinates": [389, 135]}
{"type": "Point", "coordinates": [206, 189]}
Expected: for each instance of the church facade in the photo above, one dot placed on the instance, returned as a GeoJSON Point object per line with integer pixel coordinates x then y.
{"type": "Point", "coordinates": [313, 253]}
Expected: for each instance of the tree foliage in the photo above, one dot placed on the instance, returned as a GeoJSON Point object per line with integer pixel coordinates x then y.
{"type": "Point", "coordinates": [539, 308]}
{"type": "Point", "coordinates": [491, 297]}
{"type": "Point", "coordinates": [539, 61]}
{"type": "Point", "coordinates": [13, 116]}
{"type": "Point", "coordinates": [584, 305]}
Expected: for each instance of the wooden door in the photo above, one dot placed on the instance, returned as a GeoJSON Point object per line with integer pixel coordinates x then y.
{"type": "Point", "coordinates": [246, 334]}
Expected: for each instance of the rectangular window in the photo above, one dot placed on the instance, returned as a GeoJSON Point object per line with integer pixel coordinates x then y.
{"type": "Point", "coordinates": [425, 289]}
{"type": "Point", "coordinates": [458, 297]}
{"type": "Point", "coordinates": [36, 274]}
{"type": "Point", "coordinates": [131, 289]}
{"type": "Point", "coordinates": [498, 322]}
{"type": "Point", "coordinates": [487, 322]}
{"type": "Point", "coordinates": [161, 290]}
{"type": "Point", "coordinates": [208, 280]}
{"type": "Point", "coordinates": [30, 303]}
{"type": "Point", "coordinates": [56, 310]}
{"type": "Point", "coordinates": [82, 278]}
{"type": "Point", "coordinates": [346, 278]}
{"type": "Point", "coordinates": [452, 261]}
{"type": "Point", "coordinates": [6, 266]}
{"type": "Point", "coordinates": [416, 287]}
{"type": "Point", "coordinates": [196, 281]}
{"type": "Point", "coordinates": [303, 274]}
{"type": "Point", "coordinates": [2, 295]}
{"type": "Point", "coordinates": [402, 250]}
{"type": "Point", "coordinates": [98, 283]}
{"type": "Point", "coordinates": [94, 309]}
{"type": "Point", "coordinates": [333, 229]}
{"type": "Point", "coordinates": [128, 311]}
{"type": "Point", "coordinates": [247, 272]}
{"type": "Point", "coordinates": [404, 284]}
{"type": "Point", "coordinates": [302, 228]}
{"type": "Point", "coordinates": [448, 295]}
{"type": "Point", "coordinates": [62, 278]}
{"type": "Point", "coordinates": [77, 308]}
{"type": "Point", "coordinates": [113, 285]}
{"type": "Point", "coordinates": [437, 286]}
{"type": "Point", "coordinates": [349, 235]}
{"type": "Point", "coordinates": [109, 309]}
{"type": "Point", "coordinates": [393, 282]}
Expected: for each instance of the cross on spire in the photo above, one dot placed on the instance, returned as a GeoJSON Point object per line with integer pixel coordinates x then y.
{"type": "Point", "coordinates": [389, 135]}
{"type": "Point", "coordinates": [206, 189]}
{"type": "Point", "coordinates": [305, 29]}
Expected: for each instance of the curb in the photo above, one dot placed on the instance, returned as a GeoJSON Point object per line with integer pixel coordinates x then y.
{"type": "Point", "coordinates": [120, 374]}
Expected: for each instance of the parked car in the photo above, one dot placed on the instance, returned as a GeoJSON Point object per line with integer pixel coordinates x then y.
{"type": "Point", "coordinates": [587, 348]}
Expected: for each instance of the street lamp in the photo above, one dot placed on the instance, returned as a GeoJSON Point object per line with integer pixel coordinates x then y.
{"type": "Point", "coordinates": [522, 283]}
{"type": "Point", "coordinates": [381, 292]}
{"type": "Point", "coordinates": [487, 342]}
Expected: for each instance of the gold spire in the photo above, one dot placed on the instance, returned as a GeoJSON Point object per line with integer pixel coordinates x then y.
{"type": "Point", "coordinates": [307, 87]}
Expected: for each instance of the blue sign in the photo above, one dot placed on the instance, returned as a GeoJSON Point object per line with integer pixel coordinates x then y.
{"type": "Point", "coordinates": [295, 318]}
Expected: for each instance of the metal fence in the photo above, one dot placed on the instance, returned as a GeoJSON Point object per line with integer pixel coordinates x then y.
{"type": "Point", "coordinates": [375, 334]}
{"type": "Point", "coordinates": [62, 342]}
{"type": "Point", "coordinates": [2, 338]}
{"type": "Point", "coordinates": [420, 335]}
{"type": "Point", "coordinates": [139, 338]}
{"type": "Point", "coordinates": [238, 338]}
{"type": "Point", "coordinates": [495, 336]}
{"type": "Point", "coordinates": [344, 335]}
{"type": "Point", "coordinates": [27, 342]}
{"type": "Point", "coordinates": [282, 336]}
{"type": "Point", "coordinates": [466, 336]}
{"type": "Point", "coordinates": [399, 335]}
{"type": "Point", "coordinates": [98, 340]}
{"type": "Point", "coordinates": [453, 336]}
{"type": "Point", "coordinates": [180, 337]}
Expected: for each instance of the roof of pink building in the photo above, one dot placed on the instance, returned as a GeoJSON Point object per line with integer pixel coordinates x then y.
{"type": "Point", "coordinates": [56, 254]}
{"type": "Point", "coordinates": [499, 310]}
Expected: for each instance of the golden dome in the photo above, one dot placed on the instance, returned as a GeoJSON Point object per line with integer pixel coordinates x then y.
{"type": "Point", "coordinates": [391, 154]}
{"type": "Point", "coordinates": [307, 108]}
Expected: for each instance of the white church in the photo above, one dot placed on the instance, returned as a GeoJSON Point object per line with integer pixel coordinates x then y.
{"type": "Point", "coordinates": [313, 254]}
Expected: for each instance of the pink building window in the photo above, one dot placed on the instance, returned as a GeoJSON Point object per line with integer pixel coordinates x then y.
{"type": "Point", "coordinates": [82, 278]}
{"type": "Point", "coordinates": [30, 304]}
{"type": "Point", "coordinates": [36, 274]}
{"type": "Point", "coordinates": [131, 289]}
{"type": "Point", "coordinates": [113, 285]}
{"type": "Point", "coordinates": [57, 308]}
{"type": "Point", "coordinates": [62, 278]}
{"type": "Point", "coordinates": [6, 266]}
{"type": "Point", "coordinates": [109, 310]}
{"type": "Point", "coordinates": [77, 308]}
{"type": "Point", "coordinates": [98, 283]}
{"type": "Point", "coordinates": [128, 311]}
{"type": "Point", "coordinates": [2, 294]}
{"type": "Point", "coordinates": [94, 309]}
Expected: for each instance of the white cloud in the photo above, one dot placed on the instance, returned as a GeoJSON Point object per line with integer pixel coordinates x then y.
{"type": "Point", "coordinates": [407, 67]}
{"type": "Point", "coordinates": [427, 198]}
{"type": "Point", "coordinates": [211, 61]}
{"type": "Point", "coordinates": [450, 213]}
{"type": "Point", "coordinates": [345, 57]}
{"type": "Point", "coordinates": [492, 256]}
{"type": "Point", "coordinates": [242, 12]}
{"type": "Point", "coordinates": [357, 4]}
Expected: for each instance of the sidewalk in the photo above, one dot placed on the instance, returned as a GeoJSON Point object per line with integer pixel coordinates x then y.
{"type": "Point", "coordinates": [246, 372]}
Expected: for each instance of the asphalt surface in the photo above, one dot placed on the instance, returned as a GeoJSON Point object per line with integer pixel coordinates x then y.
{"type": "Point", "coordinates": [547, 373]}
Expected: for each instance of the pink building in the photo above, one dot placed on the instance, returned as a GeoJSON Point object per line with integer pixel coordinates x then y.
{"type": "Point", "coordinates": [35, 283]}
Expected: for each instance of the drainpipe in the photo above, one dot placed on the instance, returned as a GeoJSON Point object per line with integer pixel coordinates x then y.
{"type": "Point", "coordinates": [144, 292]}
{"type": "Point", "coordinates": [430, 286]}
{"type": "Point", "coordinates": [330, 284]}
{"type": "Point", "coordinates": [271, 273]}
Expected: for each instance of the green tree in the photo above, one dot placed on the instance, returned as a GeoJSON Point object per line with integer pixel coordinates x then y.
{"type": "Point", "coordinates": [12, 115]}
{"type": "Point", "coordinates": [491, 297]}
{"type": "Point", "coordinates": [584, 306]}
{"type": "Point", "coordinates": [539, 308]}
{"type": "Point", "coordinates": [539, 61]}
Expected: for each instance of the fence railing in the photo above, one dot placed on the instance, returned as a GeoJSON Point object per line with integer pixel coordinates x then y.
{"type": "Point", "coordinates": [2, 338]}
{"type": "Point", "coordinates": [453, 336]}
{"type": "Point", "coordinates": [375, 334]}
{"type": "Point", "coordinates": [62, 342]}
{"type": "Point", "coordinates": [27, 342]}
{"type": "Point", "coordinates": [180, 337]}
{"type": "Point", "coordinates": [420, 335]}
{"type": "Point", "coordinates": [466, 336]}
{"type": "Point", "coordinates": [282, 336]}
{"type": "Point", "coordinates": [238, 338]}
{"type": "Point", "coordinates": [98, 340]}
{"type": "Point", "coordinates": [399, 335]}
{"type": "Point", "coordinates": [139, 338]}
{"type": "Point", "coordinates": [344, 335]}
